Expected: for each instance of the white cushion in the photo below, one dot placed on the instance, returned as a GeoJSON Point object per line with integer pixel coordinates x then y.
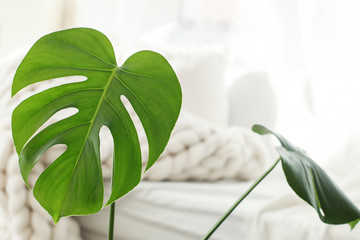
{"type": "Point", "coordinates": [252, 101]}
{"type": "Point", "coordinates": [200, 68]}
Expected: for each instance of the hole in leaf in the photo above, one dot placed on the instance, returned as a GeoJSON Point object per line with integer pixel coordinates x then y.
{"type": "Point", "coordinates": [62, 114]}
{"type": "Point", "coordinates": [45, 160]}
{"type": "Point", "coordinates": [321, 212]}
{"type": "Point", "coordinates": [47, 84]}
{"type": "Point", "coordinates": [106, 155]}
{"type": "Point", "coordinates": [144, 147]}
{"type": "Point", "coordinates": [59, 115]}
{"type": "Point", "coordinates": [51, 154]}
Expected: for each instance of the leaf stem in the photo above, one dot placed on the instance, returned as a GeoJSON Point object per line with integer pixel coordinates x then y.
{"type": "Point", "coordinates": [232, 208]}
{"type": "Point", "coordinates": [111, 221]}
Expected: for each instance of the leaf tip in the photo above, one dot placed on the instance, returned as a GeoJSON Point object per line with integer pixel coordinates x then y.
{"type": "Point", "coordinates": [354, 223]}
{"type": "Point", "coordinates": [56, 219]}
{"type": "Point", "coordinates": [110, 201]}
{"type": "Point", "coordinates": [13, 91]}
{"type": "Point", "coordinates": [15, 84]}
{"type": "Point", "coordinates": [260, 129]}
{"type": "Point", "coordinates": [148, 166]}
{"type": "Point", "coordinates": [25, 179]}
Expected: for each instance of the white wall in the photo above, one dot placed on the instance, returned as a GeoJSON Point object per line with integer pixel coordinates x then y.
{"type": "Point", "coordinates": [22, 22]}
{"type": "Point", "coordinates": [125, 18]}
{"type": "Point", "coordinates": [309, 49]}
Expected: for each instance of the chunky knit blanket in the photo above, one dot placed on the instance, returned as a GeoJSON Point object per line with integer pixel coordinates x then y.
{"type": "Point", "coordinates": [197, 151]}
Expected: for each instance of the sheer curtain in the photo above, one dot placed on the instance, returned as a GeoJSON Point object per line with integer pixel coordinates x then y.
{"type": "Point", "coordinates": [311, 52]}
{"type": "Point", "coordinates": [332, 55]}
{"type": "Point", "coordinates": [309, 49]}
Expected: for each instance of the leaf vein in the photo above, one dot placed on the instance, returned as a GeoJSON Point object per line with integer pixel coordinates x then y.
{"type": "Point", "coordinates": [72, 67]}
{"type": "Point", "coordinates": [134, 95]}
{"type": "Point", "coordinates": [89, 53]}
{"type": "Point", "coordinates": [138, 74]}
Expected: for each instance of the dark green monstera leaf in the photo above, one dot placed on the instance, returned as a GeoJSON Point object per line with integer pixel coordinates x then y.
{"type": "Point", "coordinates": [312, 184]}
{"type": "Point", "coordinates": [73, 183]}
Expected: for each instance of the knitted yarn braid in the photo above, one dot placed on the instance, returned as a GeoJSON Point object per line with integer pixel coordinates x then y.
{"type": "Point", "coordinates": [197, 151]}
{"type": "Point", "coordinates": [21, 216]}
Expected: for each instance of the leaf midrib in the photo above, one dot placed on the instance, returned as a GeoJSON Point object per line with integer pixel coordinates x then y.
{"type": "Point", "coordinates": [92, 121]}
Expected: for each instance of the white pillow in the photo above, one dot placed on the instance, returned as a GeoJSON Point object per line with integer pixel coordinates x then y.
{"type": "Point", "coordinates": [200, 68]}
{"type": "Point", "coordinates": [252, 101]}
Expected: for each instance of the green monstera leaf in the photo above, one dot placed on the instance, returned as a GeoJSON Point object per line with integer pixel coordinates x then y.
{"type": "Point", "coordinates": [73, 184]}
{"type": "Point", "coordinates": [311, 183]}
